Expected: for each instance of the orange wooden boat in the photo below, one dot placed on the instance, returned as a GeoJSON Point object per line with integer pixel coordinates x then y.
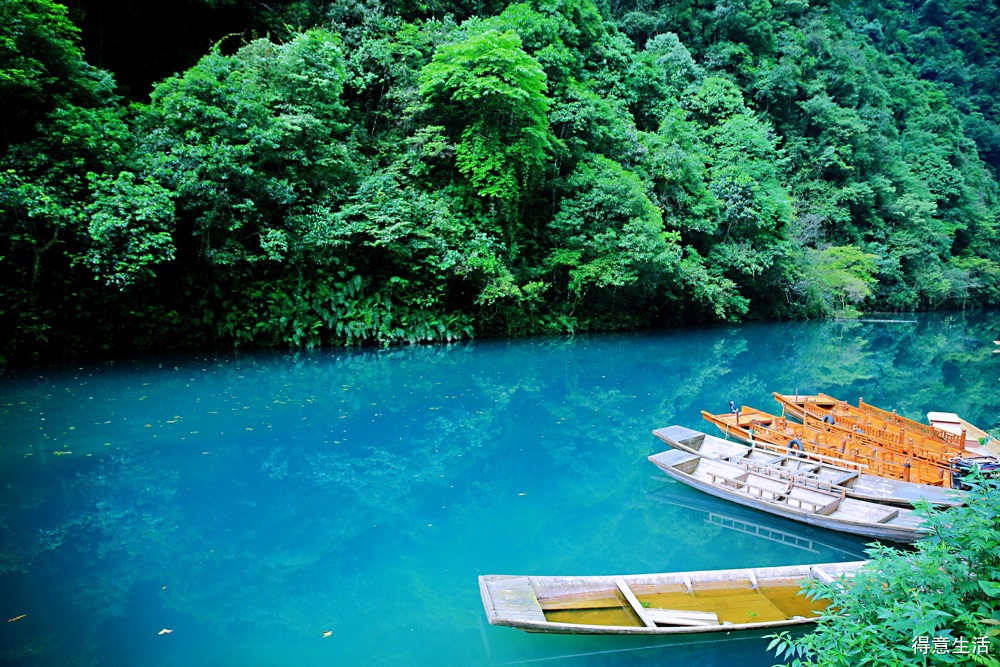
{"type": "Point", "coordinates": [823, 405]}
{"type": "Point", "coordinates": [883, 459]}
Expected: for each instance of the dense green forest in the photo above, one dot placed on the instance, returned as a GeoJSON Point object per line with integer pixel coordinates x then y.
{"type": "Point", "coordinates": [302, 173]}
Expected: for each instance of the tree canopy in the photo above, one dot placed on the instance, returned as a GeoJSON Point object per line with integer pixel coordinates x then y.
{"type": "Point", "coordinates": [383, 172]}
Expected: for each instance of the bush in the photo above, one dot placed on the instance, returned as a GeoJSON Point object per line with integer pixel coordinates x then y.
{"type": "Point", "coordinates": [936, 605]}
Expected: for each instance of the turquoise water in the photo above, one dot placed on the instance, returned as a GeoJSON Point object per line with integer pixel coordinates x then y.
{"type": "Point", "coordinates": [250, 502]}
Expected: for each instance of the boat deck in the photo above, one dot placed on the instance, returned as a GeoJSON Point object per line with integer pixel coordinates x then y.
{"type": "Point", "coordinates": [511, 597]}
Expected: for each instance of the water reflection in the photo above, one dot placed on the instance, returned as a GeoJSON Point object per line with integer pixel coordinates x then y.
{"type": "Point", "coordinates": [737, 524]}
{"type": "Point", "coordinates": [250, 502]}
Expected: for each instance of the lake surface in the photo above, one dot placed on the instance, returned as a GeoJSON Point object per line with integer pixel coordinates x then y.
{"type": "Point", "coordinates": [250, 502]}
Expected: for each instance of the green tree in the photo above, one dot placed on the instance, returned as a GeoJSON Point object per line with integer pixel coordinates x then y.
{"type": "Point", "coordinates": [492, 97]}
{"type": "Point", "coordinates": [608, 237]}
{"type": "Point", "coordinates": [847, 275]}
{"type": "Point", "coordinates": [41, 68]}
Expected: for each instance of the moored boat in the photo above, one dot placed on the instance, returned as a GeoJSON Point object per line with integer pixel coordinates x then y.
{"type": "Point", "coordinates": [791, 462]}
{"type": "Point", "coordinates": [882, 458]}
{"type": "Point", "coordinates": [659, 604]}
{"type": "Point", "coordinates": [822, 405]}
{"type": "Point", "coordinates": [798, 498]}
{"type": "Point", "coordinates": [977, 441]}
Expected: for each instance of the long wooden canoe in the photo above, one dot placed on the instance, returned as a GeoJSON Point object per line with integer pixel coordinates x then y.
{"type": "Point", "coordinates": [883, 459]}
{"type": "Point", "coordinates": [796, 499]}
{"type": "Point", "coordinates": [793, 463]}
{"type": "Point", "coordinates": [659, 604]}
{"type": "Point", "coordinates": [823, 405]}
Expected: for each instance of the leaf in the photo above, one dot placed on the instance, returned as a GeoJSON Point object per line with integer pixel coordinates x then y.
{"type": "Point", "coordinates": [991, 588]}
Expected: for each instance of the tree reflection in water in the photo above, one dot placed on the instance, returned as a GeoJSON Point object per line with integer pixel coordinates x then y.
{"type": "Point", "coordinates": [256, 500]}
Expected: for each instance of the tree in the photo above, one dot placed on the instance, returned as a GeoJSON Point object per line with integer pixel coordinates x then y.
{"type": "Point", "coordinates": [847, 275]}
{"type": "Point", "coordinates": [492, 96]}
{"type": "Point", "coordinates": [608, 237]}
{"type": "Point", "coordinates": [41, 68]}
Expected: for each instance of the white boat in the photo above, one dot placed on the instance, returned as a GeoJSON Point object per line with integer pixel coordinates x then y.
{"type": "Point", "coordinates": [977, 441]}
{"type": "Point", "coordinates": [796, 463]}
{"type": "Point", "coordinates": [798, 498]}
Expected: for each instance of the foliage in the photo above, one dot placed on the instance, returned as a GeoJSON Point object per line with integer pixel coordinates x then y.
{"type": "Point", "coordinates": [492, 93]}
{"type": "Point", "coordinates": [847, 276]}
{"type": "Point", "coordinates": [490, 168]}
{"type": "Point", "coordinates": [41, 67]}
{"type": "Point", "coordinates": [949, 587]}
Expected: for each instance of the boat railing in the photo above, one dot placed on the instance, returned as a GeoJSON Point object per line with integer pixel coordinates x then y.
{"type": "Point", "coordinates": [824, 508]}
{"type": "Point", "coordinates": [833, 461]}
{"type": "Point", "coordinates": [952, 438]}
{"type": "Point", "coordinates": [909, 445]}
{"type": "Point", "coordinates": [905, 438]}
{"type": "Point", "coordinates": [741, 483]}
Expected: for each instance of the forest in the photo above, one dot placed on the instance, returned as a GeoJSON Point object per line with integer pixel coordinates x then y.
{"type": "Point", "coordinates": [301, 173]}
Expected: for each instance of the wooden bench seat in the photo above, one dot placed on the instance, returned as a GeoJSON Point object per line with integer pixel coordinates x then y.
{"type": "Point", "coordinates": [869, 512]}
{"type": "Point", "coordinates": [681, 617]}
{"type": "Point", "coordinates": [814, 500]}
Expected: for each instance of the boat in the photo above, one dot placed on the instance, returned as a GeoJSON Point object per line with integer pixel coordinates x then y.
{"type": "Point", "coordinates": [882, 458]}
{"type": "Point", "coordinates": [660, 604]}
{"type": "Point", "coordinates": [798, 498]}
{"type": "Point", "coordinates": [977, 440]}
{"type": "Point", "coordinates": [914, 445]}
{"type": "Point", "coordinates": [822, 405]}
{"type": "Point", "coordinates": [793, 462]}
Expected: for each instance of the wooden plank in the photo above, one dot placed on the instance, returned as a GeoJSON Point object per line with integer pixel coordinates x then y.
{"type": "Point", "coordinates": [514, 597]}
{"type": "Point", "coordinates": [889, 516]}
{"type": "Point", "coordinates": [822, 575]}
{"type": "Point", "coordinates": [634, 602]}
{"type": "Point", "coordinates": [682, 617]}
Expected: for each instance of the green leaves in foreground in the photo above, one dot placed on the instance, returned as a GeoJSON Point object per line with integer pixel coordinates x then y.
{"type": "Point", "coordinates": [947, 589]}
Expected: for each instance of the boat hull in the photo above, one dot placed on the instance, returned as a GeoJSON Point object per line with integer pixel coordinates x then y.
{"type": "Point", "coordinates": [863, 528]}
{"type": "Point", "coordinates": [517, 601]}
{"type": "Point", "coordinates": [862, 486]}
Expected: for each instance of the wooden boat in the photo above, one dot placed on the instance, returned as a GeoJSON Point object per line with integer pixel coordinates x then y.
{"type": "Point", "coordinates": [659, 604]}
{"type": "Point", "coordinates": [882, 458]}
{"type": "Point", "coordinates": [823, 405]}
{"type": "Point", "coordinates": [792, 462]}
{"type": "Point", "coordinates": [800, 498]}
{"type": "Point", "coordinates": [910, 444]}
{"type": "Point", "coordinates": [977, 440]}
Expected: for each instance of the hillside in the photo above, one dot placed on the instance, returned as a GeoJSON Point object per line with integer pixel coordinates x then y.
{"type": "Point", "coordinates": [343, 173]}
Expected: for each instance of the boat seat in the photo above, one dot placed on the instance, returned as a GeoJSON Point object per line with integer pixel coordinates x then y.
{"type": "Point", "coordinates": [869, 512]}
{"type": "Point", "coordinates": [844, 479]}
{"type": "Point", "coordinates": [888, 516]}
{"type": "Point", "coordinates": [681, 617]}
{"type": "Point", "coordinates": [813, 500]}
